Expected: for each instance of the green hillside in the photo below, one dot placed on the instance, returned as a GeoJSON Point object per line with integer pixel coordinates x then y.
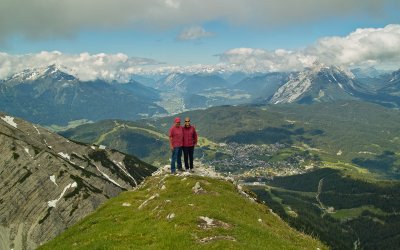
{"type": "Point", "coordinates": [144, 141]}
{"type": "Point", "coordinates": [166, 213]}
{"type": "Point", "coordinates": [349, 126]}
{"type": "Point", "coordinates": [363, 134]}
{"type": "Point", "coordinates": [358, 133]}
{"type": "Point", "coordinates": [339, 210]}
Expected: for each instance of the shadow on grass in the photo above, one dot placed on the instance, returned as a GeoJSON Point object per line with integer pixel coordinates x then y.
{"type": "Point", "coordinates": [383, 162]}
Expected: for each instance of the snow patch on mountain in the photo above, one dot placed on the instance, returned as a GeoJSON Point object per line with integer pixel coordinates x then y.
{"type": "Point", "coordinates": [64, 155]}
{"type": "Point", "coordinates": [53, 179]}
{"type": "Point", "coordinates": [9, 120]}
{"type": "Point", "coordinates": [37, 130]}
{"type": "Point", "coordinates": [108, 177]}
{"type": "Point", "coordinates": [53, 203]}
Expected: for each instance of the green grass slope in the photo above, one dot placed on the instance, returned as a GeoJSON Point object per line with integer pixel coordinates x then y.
{"type": "Point", "coordinates": [165, 213]}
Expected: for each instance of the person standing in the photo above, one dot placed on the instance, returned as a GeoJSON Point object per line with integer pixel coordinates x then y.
{"type": "Point", "coordinates": [189, 142]}
{"type": "Point", "coordinates": [176, 143]}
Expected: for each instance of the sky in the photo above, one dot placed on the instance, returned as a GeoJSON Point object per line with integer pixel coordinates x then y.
{"type": "Point", "coordinates": [114, 39]}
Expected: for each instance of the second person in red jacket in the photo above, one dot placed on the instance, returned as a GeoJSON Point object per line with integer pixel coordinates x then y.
{"type": "Point", "coordinates": [189, 142]}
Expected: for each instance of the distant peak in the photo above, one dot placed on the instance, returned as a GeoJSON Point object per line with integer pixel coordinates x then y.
{"type": "Point", "coordinates": [55, 71]}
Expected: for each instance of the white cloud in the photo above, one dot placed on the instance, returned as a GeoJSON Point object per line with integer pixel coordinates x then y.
{"type": "Point", "coordinates": [37, 19]}
{"type": "Point", "coordinates": [363, 47]}
{"type": "Point", "coordinates": [259, 60]}
{"type": "Point", "coordinates": [378, 47]}
{"type": "Point", "coordinates": [85, 66]}
{"type": "Point", "coordinates": [194, 33]}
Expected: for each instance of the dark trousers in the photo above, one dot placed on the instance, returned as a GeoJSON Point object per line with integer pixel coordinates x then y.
{"type": "Point", "coordinates": [188, 156]}
{"type": "Point", "coordinates": [176, 157]}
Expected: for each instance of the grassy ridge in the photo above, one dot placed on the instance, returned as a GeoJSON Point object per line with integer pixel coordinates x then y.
{"type": "Point", "coordinates": [243, 224]}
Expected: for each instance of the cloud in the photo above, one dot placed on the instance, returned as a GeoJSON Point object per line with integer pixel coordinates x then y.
{"type": "Point", "coordinates": [378, 47]}
{"type": "Point", "coordinates": [41, 19]}
{"type": "Point", "coordinates": [194, 33]}
{"type": "Point", "coordinates": [85, 66]}
{"type": "Point", "coordinates": [259, 60]}
{"type": "Point", "coordinates": [364, 47]}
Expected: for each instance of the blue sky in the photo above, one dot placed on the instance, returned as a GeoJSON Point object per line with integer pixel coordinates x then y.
{"type": "Point", "coordinates": [178, 34]}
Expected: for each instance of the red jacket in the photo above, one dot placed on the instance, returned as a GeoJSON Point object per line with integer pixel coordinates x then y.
{"type": "Point", "coordinates": [189, 136]}
{"type": "Point", "coordinates": [176, 136]}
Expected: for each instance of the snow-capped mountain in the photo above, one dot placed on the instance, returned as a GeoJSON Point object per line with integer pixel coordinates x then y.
{"type": "Point", "coordinates": [53, 71]}
{"type": "Point", "coordinates": [51, 96]}
{"type": "Point", "coordinates": [319, 83]}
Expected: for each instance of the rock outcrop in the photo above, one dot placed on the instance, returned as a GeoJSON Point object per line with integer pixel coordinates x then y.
{"type": "Point", "coordinates": [48, 183]}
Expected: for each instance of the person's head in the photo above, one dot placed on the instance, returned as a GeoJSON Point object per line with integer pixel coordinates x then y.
{"type": "Point", "coordinates": [187, 122]}
{"type": "Point", "coordinates": [177, 122]}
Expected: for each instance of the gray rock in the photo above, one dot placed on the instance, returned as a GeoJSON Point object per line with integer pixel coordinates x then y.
{"type": "Point", "coordinates": [48, 183]}
{"type": "Point", "coordinates": [197, 189]}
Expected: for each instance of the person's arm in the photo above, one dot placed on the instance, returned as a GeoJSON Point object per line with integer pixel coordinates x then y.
{"type": "Point", "coordinates": [194, 136]}
{"type": "Point", "coordinates": [170, 140]}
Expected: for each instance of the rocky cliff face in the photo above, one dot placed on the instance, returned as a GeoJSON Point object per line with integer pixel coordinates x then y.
{"type": "Point", "coordinates": [316, 84]}
{"type": "Point", "coordinates": [48, 183]}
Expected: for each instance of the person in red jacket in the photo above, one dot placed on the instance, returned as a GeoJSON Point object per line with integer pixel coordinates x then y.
{"type": "Point", "coordinates": [189, 142]}
{"type": "Point", "coordinates": [176, 143]}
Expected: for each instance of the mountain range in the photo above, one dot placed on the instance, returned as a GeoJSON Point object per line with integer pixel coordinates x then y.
{"type": "Point", "coordinates": [323, 123]}
{"type": "Point", "coordinates": [51, 96]}
{"type": "Point", "coordinates": [49, 183]}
